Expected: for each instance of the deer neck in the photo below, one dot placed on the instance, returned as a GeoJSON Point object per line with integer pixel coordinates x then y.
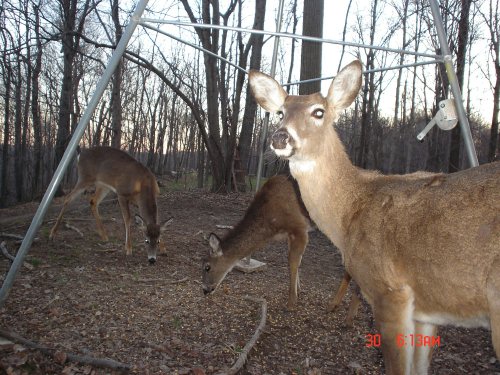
{"type": "Point", "coordinates": [330, 186]}
{"type": "Point", "coordinates": [247, 237]}
{"type": "Point", "coordinates": [147, 204]}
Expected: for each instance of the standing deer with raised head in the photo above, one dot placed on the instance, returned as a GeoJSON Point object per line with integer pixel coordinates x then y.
{"type": "Point", "coordinates": [424, 249]}
{"type": "Point", "coordinates": [110, 169]}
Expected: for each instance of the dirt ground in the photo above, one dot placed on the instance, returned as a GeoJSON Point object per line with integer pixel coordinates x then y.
{"type": "Point", "coordinates": [85, 297]}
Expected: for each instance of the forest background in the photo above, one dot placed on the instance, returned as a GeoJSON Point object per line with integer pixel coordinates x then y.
{"type": "Point", "coordinates": [185, 113]}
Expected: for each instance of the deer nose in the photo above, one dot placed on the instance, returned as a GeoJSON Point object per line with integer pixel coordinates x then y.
{"type": "Point", "coordinates": [152, 261]}
{"type": "Point", "coordinates": [207, 290]}
{"type": "Point", "coordinates": [280, 139]}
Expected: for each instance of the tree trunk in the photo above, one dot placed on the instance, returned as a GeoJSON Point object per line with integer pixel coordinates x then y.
{"type": "Point", "coordinates": [463, 37]}
{"type": "Point", "coordinates": [311, 53]}
{"type": "Point", "coordinates": [494, 143]}
{"type": "Point", "coordinates": [247, 127]}
{"type": "Point", "coordinates": [35, 107]}
{"type": "Point", "coordinates": [116, 103]}
{"type": "Point", "coordinates": [293, 41]}
{"type": "Point", "coordinates": [18, 130]}
{"type": "Point", "coordinates": [7, 76]}
{"type": "Point", "coordinates": [493, 22]}
{"type": "Point", "coordinates": [368, 97]}
{"type": "Point", "coordinates": [70, 39]}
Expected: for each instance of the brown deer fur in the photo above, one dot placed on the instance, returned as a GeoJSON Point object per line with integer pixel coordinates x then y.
{"type": "Point", "coordinates": [423, 248]}
{"type": "Point", "coordinates": [108, 169]}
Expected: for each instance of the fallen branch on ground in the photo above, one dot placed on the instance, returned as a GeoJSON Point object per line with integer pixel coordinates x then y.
{"type": "Point", "coordinates": [15, 237]}
{"type": "Point", "coordinates": [219, 226]}
{"type": "Point", "coordinates": [5, 252]}
{"type": "Point", "coordinates": [98, 362]}
{"type": "Point", "coordinates": [184, 279]}
{"type": "Point", "coordinates": [69, 226]}
{"type": "Point", "coordinates": [238, 365]}
{"type": "Point", "coordinates": [10, 235]}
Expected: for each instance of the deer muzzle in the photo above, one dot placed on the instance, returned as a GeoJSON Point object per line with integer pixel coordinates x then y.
{"type": "Point", "coordinates": [280, 139]}
{"type": "Point", "coordinates": [207, 289]}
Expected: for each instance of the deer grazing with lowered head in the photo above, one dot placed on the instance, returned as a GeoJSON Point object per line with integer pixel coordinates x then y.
{"type": "Point", "coordinates": [424, 248]}
{"type": "Point", "coordinates": [110, 169]}
{"type": "Point", "coordinates": [276, 213]}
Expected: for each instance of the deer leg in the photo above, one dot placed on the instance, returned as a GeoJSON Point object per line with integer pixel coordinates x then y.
{"type": "Point", "coordinates": [493, 296]}
{"type": "Point", "coordinates": [100, 192]}
{"type": "Point", "coordinates": [341, 291]}
{"type": "Point", "coordinates": [353, 305]}
{"type": "Point", "coordinates": [297, 243]}
{"type": "Point", "coordinates": [75, 193]}
{"type": "Point", "coordinates": [423, 353]}
{"type": "Point", "coordinates": [393, 312]}
{"type": "Point", "coordinates": [126, 220]}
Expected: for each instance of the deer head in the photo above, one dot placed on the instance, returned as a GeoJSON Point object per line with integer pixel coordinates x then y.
{"type": "Point", "coordinates": [305, 119]}
{"type": "Point", "coordinates": [216, 266]}
{"type": "Point", "coordinates": [152, 234]}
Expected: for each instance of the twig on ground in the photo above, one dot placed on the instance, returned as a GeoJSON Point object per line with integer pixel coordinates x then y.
{"type": "Point", "coordinates": [98, 362]}
{"type": "Point", "coordinates": [10, 235]}
{"type": "Point", "coordinates": [72, 227]}
{"type": "Point", "coordinates": [15, 237]}
{"type": "Point", "coordinates": [238, 365]}
{"type": "Point", "coordinates": [5, 252]}
{"type": "Point", "coordinates": [219, 226]}
{"type": "Point", "coordinates": [184, 279]}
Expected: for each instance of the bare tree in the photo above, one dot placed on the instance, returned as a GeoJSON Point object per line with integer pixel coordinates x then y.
{"type": "Point", "coordinates": [7, 73]}
{"type": "Point", "coordinates": [256, 43]}
{"type": "Point", "coordinates": [311, 53]}
{"type": "Point", "coordinates": [463, 38]}
{"type": "Point", "coordinates": [116, 103]}
{"type": "Point", "coordinates": [35, 105]}
{"type": "Point", "coordinates": [492, 20]}
{"type": "Point", "coordinates": [72, 20]}
{"type": "Point", "coordinates": [368, 94]}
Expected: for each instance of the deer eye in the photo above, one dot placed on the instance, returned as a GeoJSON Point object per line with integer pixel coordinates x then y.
{"type": "Point", "coordinates": [207, 267]}
{"type": "Point", "coordinates": [146, 240]}
{"type": "Point", "coordinates": [280, 115]}
{"type": "Point", "coordinates": [318, 113]}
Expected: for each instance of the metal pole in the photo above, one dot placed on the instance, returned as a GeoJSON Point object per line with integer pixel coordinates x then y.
{"type": "Point", "coordinates": [265, 124]}
{"type": "Point", "coordinates": [286, 35]}
{"type": "Point", "coordinates": [455, 87]}
{"type": "Point", "coordinates": [70, 150]}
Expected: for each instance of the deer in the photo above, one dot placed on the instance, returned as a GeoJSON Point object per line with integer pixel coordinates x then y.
{"type": "Point", "coordinates": [110, 169]}
{"type": "Point", "coordinates": [276, 213]}
{"type": "Point", "coordinates": [423, 248]}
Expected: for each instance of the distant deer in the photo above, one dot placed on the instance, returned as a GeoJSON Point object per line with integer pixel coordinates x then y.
{"type": "Point", "coordinates": [424, 249]}
{"type": "Point", "coordinates": [107, 169]}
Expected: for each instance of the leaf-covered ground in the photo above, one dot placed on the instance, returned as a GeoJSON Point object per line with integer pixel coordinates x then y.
{"type": "Point", "coordinates": [85, 297]}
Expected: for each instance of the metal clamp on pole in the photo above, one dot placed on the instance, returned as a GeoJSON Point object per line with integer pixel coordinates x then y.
{"type": "Point", "coordinates": [446, 118]}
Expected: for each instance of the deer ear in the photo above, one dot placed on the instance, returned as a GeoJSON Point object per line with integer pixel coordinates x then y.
{"type": "Point", "coordinates": [215, 249]}
{"type": "Point", "coordinates": [345, 86]}
{"type": "Point", "coordinates": [267, 92]}
{"type": "Point", "coordinates": [139, 221]}
{"type": "Point", "coordinates": [166, 224]}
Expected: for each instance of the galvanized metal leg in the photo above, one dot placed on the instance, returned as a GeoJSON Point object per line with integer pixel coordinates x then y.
{"type": "Point", "coordinates": [70, 150]}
